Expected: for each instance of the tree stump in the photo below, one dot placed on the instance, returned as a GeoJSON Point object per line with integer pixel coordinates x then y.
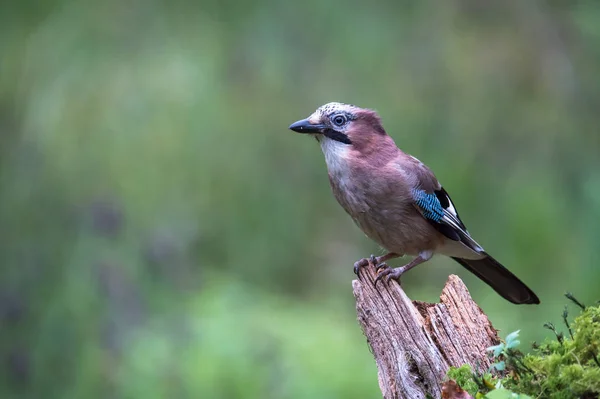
{"type": "Point", "coordinates": [414, 343]}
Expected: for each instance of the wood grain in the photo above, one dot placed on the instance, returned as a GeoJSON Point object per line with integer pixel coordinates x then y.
{"type": "Point", "coordinates": [414, 343]}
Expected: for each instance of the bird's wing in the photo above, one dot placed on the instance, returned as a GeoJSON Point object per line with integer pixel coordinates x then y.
{"type": "Point", "coordinates": [436, 206]}
{"type": "Point", "coordinates": [433, 202]}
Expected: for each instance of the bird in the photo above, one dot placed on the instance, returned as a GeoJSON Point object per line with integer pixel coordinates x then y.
{"type": "Point", "coordinates": [397, 201]}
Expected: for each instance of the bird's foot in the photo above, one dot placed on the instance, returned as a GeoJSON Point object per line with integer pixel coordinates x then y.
{"type": "Point", "coordinates": [372, 260]}
{"type": "Point", "coordinates": [380, 266]}
{"type": "Point", "coordinates": [388, 273]}
{"type": "Point", "coordinates": [376, 261]}
{"type": "Point", "coordinates": [360, 264]}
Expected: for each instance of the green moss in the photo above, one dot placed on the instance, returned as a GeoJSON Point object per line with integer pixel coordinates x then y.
{"type": "Point", "coordinates": [561, 368]}
{"type": "Point", "coordinates": [587, 334]}
{"type": "Point", "coordinates": [463, 376]}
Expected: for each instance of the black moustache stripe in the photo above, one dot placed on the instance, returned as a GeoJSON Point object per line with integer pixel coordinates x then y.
{"type": "Point", "coordinates": [337, 136]}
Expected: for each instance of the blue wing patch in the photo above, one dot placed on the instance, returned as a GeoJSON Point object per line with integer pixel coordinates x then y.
{"type": "Point", "coordinates": [429, 204]}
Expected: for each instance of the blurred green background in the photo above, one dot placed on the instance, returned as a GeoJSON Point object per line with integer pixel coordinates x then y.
{"type": "Point", "coordinates": [162, 233]}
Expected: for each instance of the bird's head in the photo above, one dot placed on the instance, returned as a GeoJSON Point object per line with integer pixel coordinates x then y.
{"type": "Point", "coordinates": [343, 123]}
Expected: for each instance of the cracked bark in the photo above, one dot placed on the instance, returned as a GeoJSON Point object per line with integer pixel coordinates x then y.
{"type": "Point", "coordinates": [414, 343]}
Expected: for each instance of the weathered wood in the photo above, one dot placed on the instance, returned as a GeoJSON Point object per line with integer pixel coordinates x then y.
{"type": "Point", "coordinates": [414, 343]}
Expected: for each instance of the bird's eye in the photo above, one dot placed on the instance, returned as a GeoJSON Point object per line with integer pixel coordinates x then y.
{"type": "Point", "coordinates": [339, 120]}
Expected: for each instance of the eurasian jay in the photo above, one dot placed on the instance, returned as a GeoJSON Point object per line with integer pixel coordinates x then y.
{"type": "Point", "coordinates": [397, 201]}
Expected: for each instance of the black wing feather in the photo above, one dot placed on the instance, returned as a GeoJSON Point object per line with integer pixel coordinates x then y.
{"type": "Point", "coordinates": [446, 220]}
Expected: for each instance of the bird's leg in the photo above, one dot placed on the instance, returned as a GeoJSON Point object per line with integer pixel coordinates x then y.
{"type": "Point", "coordinates": [389, 273]}
{"type": "Point", "coordinates": [376, 261]}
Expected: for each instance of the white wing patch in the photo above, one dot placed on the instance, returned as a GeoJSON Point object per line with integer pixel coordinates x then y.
{"type": "Point", "coordinates": [451, 208]}
{"type": "Point", "coordinates": [451, 218]}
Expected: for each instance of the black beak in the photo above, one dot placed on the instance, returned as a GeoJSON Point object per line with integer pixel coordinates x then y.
{"type": "Point", "coordinates": [304, 126]}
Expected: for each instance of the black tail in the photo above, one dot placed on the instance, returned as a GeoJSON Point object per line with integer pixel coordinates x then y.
{"type": "Point", "coordinates": [500, 279]}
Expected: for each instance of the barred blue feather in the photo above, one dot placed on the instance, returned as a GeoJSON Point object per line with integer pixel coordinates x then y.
{"type": "Point", "coordinates": [429, 204]}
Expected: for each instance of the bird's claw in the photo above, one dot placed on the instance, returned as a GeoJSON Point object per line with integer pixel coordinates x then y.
{"type": "Point", "coordinates": [380, 266]}
{"type": "Point", "coordinates": [373, 260]}
{"type": "Point", "coordinates": [388, 274]}
{"type": "Point", "coordinates": [377, 263]}
{"type": "Point", "coordinates": [381, 274]}
{"type": "Point", "coordinates": [359, 264]}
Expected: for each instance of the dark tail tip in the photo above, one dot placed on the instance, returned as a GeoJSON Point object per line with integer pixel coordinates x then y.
{"type": "Point", "coordinates": [500, 279]}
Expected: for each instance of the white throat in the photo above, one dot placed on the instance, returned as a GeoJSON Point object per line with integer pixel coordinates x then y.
{"type": "Point", "coordinates": [336, 155]}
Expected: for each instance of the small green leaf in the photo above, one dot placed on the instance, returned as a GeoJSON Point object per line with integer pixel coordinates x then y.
{"type": "Point", "coordinates": [497, 349]}
{"type": "Point", "coordinates": [512, 336]}
{"type": "Point", "coordinates": [500, 366]}
{"type": "Point", "coordinates": [512, 339]}
{"type": "Point", "coordinates": [499, 394]}
{"type": "Point", "coordinates": [513, 344]}
{"type": "Point", "coordinates": [505, 394]}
